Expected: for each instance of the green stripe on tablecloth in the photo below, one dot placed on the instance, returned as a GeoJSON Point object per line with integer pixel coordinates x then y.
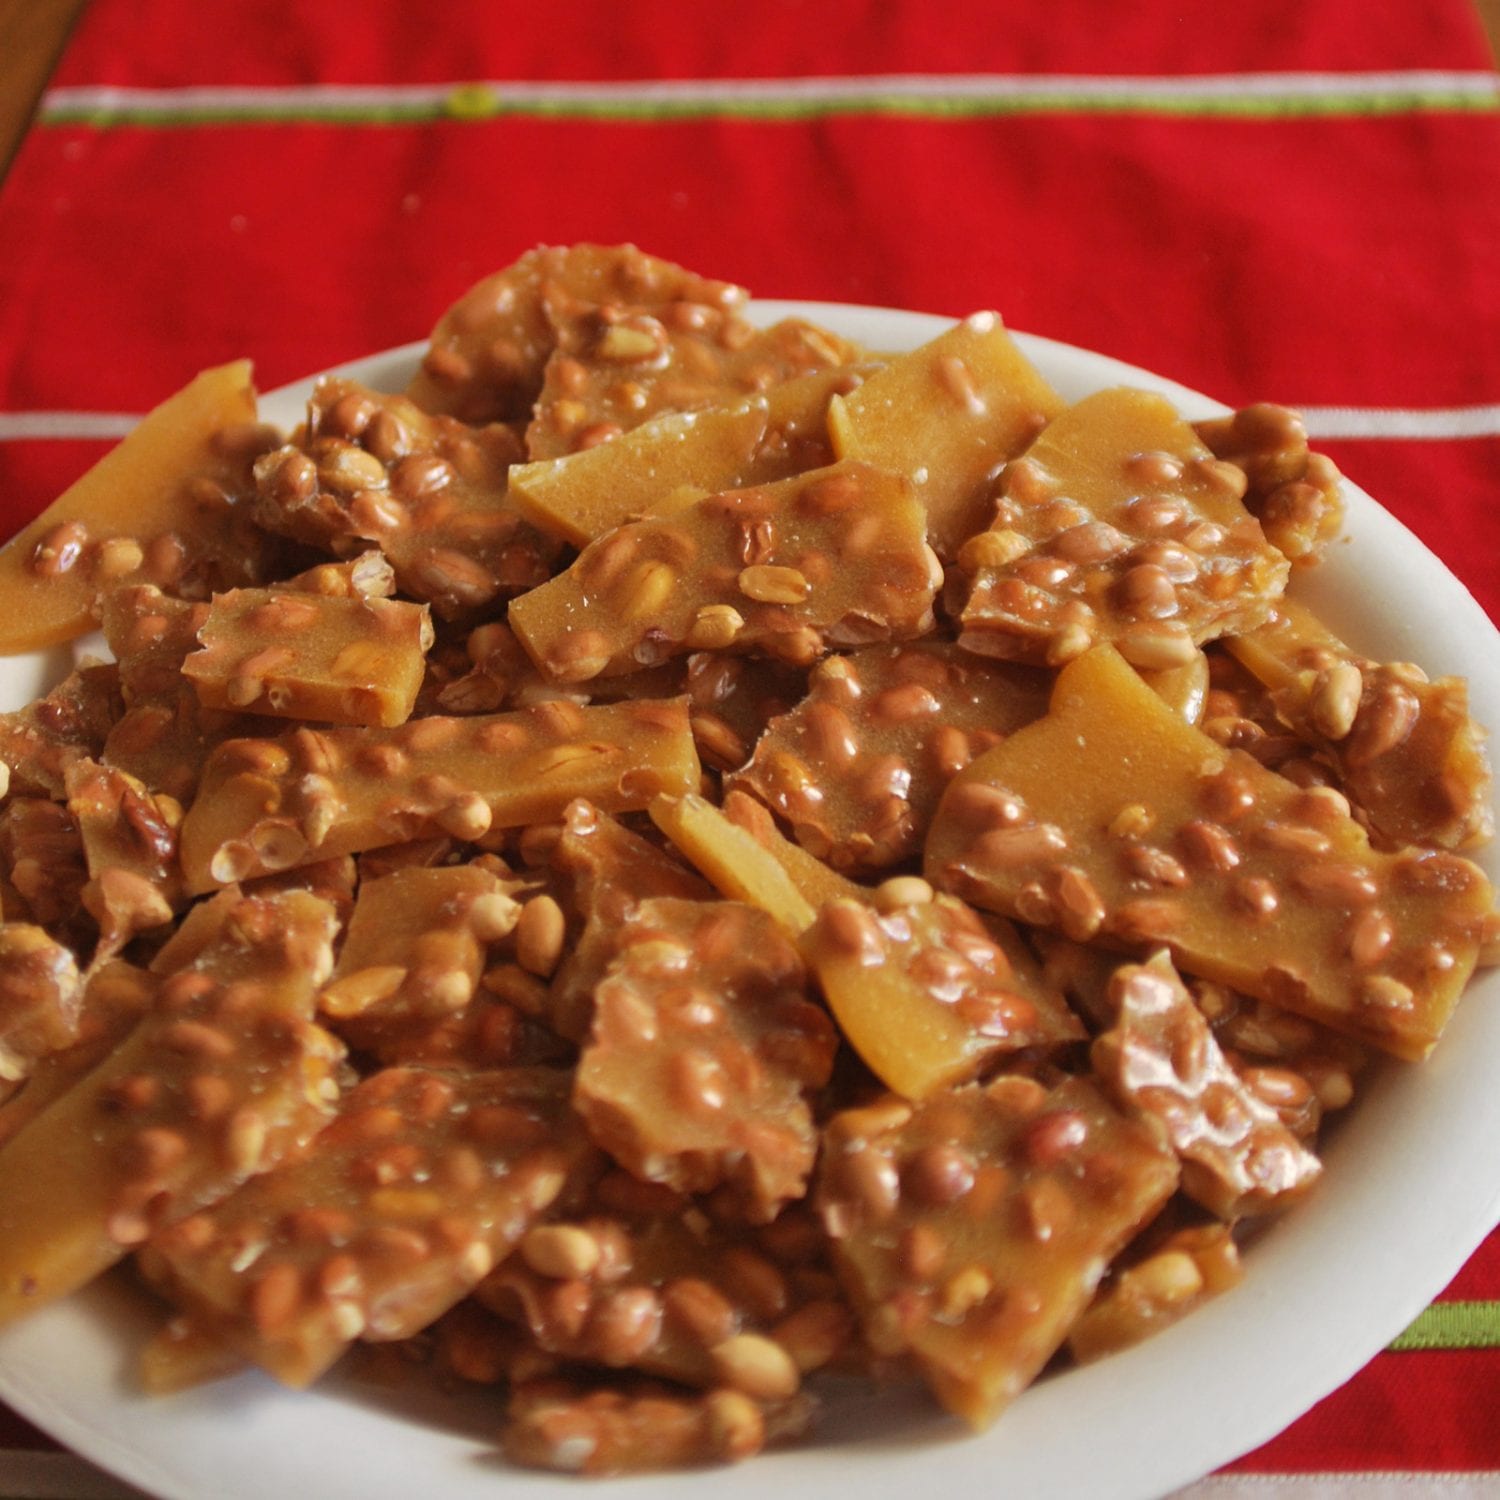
{"type": "Point", "coordinates": [1454, 1325]}
{"type": "Point", "coordinates": [1231, 96]}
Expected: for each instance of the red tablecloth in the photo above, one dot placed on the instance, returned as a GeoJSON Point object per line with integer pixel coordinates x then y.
{"type": "Point", "coordinates": [1295, 199]}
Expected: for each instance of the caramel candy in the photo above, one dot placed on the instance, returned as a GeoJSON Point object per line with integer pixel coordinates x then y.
{"type": "Point", "coordinates": [155, 509]}
{"type": "Point", "coordinates": [39, 742]}
{"type": "Point", "coordinates": [702, 1049]}
{"type": "Point", "coordinates": [971, 1230]}
{"type": "Point", "coordinates": [1118, 525]}
{"type": "Point", "coordinates": [828, 558]}
{"type": "Point", "coordinates": [414, 952]}
{"type": "Point", "coordinates": [224, 1077]}
{"type": "Point", "coordinates": [1111, 818]}
{"type": "Point", "coordinates": [616, 367]}
{"type": "Point", "coordinates": [922, 992]}
{"type": "Point", "coordinates": [1161, 1060]}
{"type": "Point", "coordinates": [40, 999]}
{"type": "Point", "coordinates": [268, 805]}
{"type": "Point", "coordinates": [948, 415]}
{"type": "Point", "coordinates": [1179, 1275]}
{"type": "Point", "coordinates": [857, 767]}
{"type": "Point", "coordinates": [663, 464]}
{"type": "Point", "coordinates": [298, 655]}
{"type": "Point", "coordinates": [1294, 494]}
{"type": "Point", "coordinates": [421, 1183]}
{"type": "Point", "coordinates": [374, 470]}
{"type": "Point", "coordinates": [490, 348]}
{"type": "Point", "coordinates": [1409, 757]}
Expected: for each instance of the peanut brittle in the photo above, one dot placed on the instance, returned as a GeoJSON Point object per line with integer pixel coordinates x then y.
{"type": "Point", "coordinates": [832, 557]}
{"type": "Point", "coordinates": [268, 805]}
{"type": "Point", "coordinates": [44, 852]}
{"type": "Point", "coordinates": [732, 699]}
{"type": "Point", "coordinates": [304, 655]}
{"type": "Point", "coordinates": [616, 367]}
{"type": "Point", "coordinates": [224, 1077]}
{"type": "Point", "coordinates": [657, 467]}
{"type": "Point", "coordinates": [489, 349]}
{"type": "Point", "coordinates": [1153, 834]}
{"type": "Point", "coordinates": [1409, 757]}
{"type": "Point", "coordinates": [1161, 1060]}
{"type": "Point", "coordinates": [419, 1185]}
{"type": "Point", "coordinates": [39, 742]}
{"type": "Point", "coordinates": [811, 880]}
{"type": "Point", "coordinates": [971, 1230]}
{"type": "Point", "coordinates": [948, 415]}
{"type": "Point", "coordinates": [857, 767]}
{"type": "Point", "coordinates": [1293, 493]}
{"type": "Point", "coordinates": [374, 470]}
{"type": "Point", "coordinates": [40, 999]}
{"type": "Point", "coordinates": [922, 992]}
{"type": "Point", "coordinates": [1118, 525]}
{"type": "Point", "coordinates": [156, 509]}
{"type": "Point", "coordinates": [703, 1046]}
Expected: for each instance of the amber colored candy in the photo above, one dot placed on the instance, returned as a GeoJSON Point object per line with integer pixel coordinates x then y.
{"type": "Point", "coordinates": [814, 881]}
{"type": "Point", "coordinates": [39, 742]}
{"type": "Point", "coordinates": [220, 1080]}
{"type": "Point", "coordinates": [268, 805]}
{"type": "Point", "coordinates": [1408, 755]}
{"type": "Point", "coordinates": [490, 348]}
{"type": "Point", "coordinates": [373, 470]}
{"type": "Point", "coordinates": [971, 1230]}
{"type": "Point", "coordinates": [948, 415]}
{"type": "Point", "coordinates": [413, 953]}
{"type": "Point", "coordinates": [43, 850]}
{"type": "Point", "coordinates": [40, 999]}
{"type": "Point", "coordinates": [703, 1047]}
{"type": "Point", "coordinates": [924, 994]}
{"type": "Point", "coordinates": [1113, 819]}
{"type": "Point", "coordinates": [657, 467]}
{"type": "Point", "coordinates": [181, 1355]}
{"type": "Point", "coordinates": [1293, 493]}
{"type": "Point", "coordinates": [155, 509]}
{"type": "Point", "coordinates": [1161, 1061]}
{"type": "Point", "coordinates": [857, 767]}
{"type": "Point", "coordinates": [1179, 1275]}
{"type": "Point", "coordinates": [616, 367]}
{"type": "Point", "coordinates": [407, 1199]}
{"type": "Point", "coordinates": [828, 558]}
{"type": "Point", "coordinates": [1117, 525]}
{"type": "Point", "coordinates": [297, 655]}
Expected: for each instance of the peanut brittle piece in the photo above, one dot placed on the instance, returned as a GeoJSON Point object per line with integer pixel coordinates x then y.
{"type": "Point", "coordinates": [268, 805]}
{"type": "Point", "coordinates": [1161, 1061]}
{"type": "Point", "coordinates": [571, 1429]}
{"type": "Point", "coordinates": [1294, 494]}
{"type": "Point", "coordinates": [615, 367]}
{"type": "Point", "coordinates": [374, 470]}
{"type": "Point", "coordinates": [731, 700]}
{"type": "Point", "coordinates": [671, 1296]}
{"type": "Point", "coordinates": [39, 742]}
{"type": "Point", "coordinates": [1177, 1277]}
{"type": "Point", "coordinates": [414, 952]}
{"type": "Point", "coordinates": [971, 1230]}
{"type": "Point", "coordinates": [224, 1077]}
{"type": "Point", "coordinates": [1408, 755]}
{"type": "Point", "coordinates": [44, 851]}
{"type": "Point", "coordinates": [810, 878]}
{"type": "Point", "coordinates": [857, 767]}
{"type": "Point", "coordinates": [654, 468]}
{"type": "Point", "coordinates": [703, 1047]}
{"type": "Point", "coordinates": [490, 348]}
{"type": "Point", "coordinates": [155, 509]}
{"type": "Point", "coordinates": [40, 998]}
{"type": "Point", "coordinates": [1113, 819]}
{"type": "Point", "coordinates": [832, 557]}
{"type": "Point", "coordinates": [948, 415]}
{"type": "Point", "coordinates": [1117, 525]}
{"type": "Point", "coordinates": [407, 1199]}
{"type": "Point", "coordinates": [923, 992]}
{"type": "Point", "coordinates": [150, 633]}
{"type": "Point", "coordinates": [130, 842]}
{"type": "Point", "coordinates": [303, 655]}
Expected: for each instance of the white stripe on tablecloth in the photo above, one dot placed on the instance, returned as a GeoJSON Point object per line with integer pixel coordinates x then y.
{"type": "Point", "coordinates": [57, 1476]}
{"type": "Point", "coordinates": [18, 426]}
{"type": "Point", "coordinates": [1392, 1485]}
{"type": "Point", "coordinates": [679, 92]}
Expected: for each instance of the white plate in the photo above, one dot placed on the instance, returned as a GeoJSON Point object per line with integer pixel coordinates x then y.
{"type": "Point", "coordinates": [1412, 1187]}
